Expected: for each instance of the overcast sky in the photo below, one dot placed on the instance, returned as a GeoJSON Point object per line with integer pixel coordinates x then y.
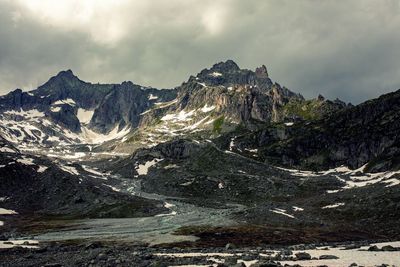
{"type": "Point", "coordinates": [346, 49]}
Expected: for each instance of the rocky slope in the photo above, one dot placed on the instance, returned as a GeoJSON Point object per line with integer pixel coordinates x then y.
{"type": "Point", "coordinates": [202, 173]}
{"type": "Point", "coordinates": [36, 187]}
{"type": "Point", "coordinates": [364, 134]}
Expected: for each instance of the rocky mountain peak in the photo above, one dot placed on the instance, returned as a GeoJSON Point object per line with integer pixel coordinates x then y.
{"type": "Point", "coordinates": [218, 70]}
{"type": "Point", "coordinates": [227, 66]}
{"type": "Point", "coordinates": [321, 98]}
{"type": "Point", "coordinates": [262, 72]}
{"type": "Point", "coordinates": [228, 74]}
{"type": "Point", "coordinates": [66, 75]}
{"type": "Point", "coordinates": [62, 79]}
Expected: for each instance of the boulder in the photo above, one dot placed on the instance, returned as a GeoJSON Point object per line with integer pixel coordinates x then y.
{"type": "Point", "coordinates": [303, 256]}
{"type": "Point", "coordinates": [388, 248]}
{"type": "Point", "coordinates": [373, 248]}
{"type": "Point", "coordinates": [328, 257]}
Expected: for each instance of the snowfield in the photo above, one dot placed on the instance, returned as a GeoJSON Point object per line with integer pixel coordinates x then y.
{"type": "Point", "coordinates": [351, 178]}
{"type": "Point", "coordinates": [35, 129]}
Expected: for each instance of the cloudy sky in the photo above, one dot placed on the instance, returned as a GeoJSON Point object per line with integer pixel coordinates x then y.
{"type": "Point", "coordinates": [346, 49]}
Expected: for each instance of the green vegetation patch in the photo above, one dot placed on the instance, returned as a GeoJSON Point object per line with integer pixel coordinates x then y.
{"type": "Point", "coordinates": [217, 124]}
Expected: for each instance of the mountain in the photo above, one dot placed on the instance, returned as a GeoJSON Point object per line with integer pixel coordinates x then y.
{"type": "Point", "coordinates": [220, 99]}
{"type": "Point", "coordinates": [239, 96]}
{"type": "Point", "coordinates": [66, 109]}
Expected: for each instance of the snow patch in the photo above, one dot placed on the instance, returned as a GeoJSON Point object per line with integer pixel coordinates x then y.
{"type": "Point", "coordinates": [55, 109]}
{"type": "Point", "coordinates": [333, 206]}
{"type": "Point", "coordinates": [30, 114]}
{"type": "Point", "coordinates": [6, 150]}
{"type": "Point", "coordinates": [282, 212]}
{"type": "Point", "coordinates": [232, 143]}
{"type": "Point", "coordinates": [299, 172]}
{"type": "Point", "coordinates": [97, 138]}
{"type": "Point", "coordinates": [206, 108]}
{"type": "Point", "coordinates": [19, 243]}
{"type": "Point", "coordinates": [221, 185]}
{"type": "Point", "coordinates": [96, 173]}
{"type": "Point", "coordinates": [26, 161]}
{"type": "Point", "coordinates": [362, 257]}
{"type": "Point", "coordinates": [84, 115]}
{"type": "Point", "coordinates": [255, 150]}
{"type": "Point", "coordinates": [152, 97]}
{"type": "Point", "coordinates": [112, 187]}
{"type": "Point", "coordinates": [392, 182]}
{"type": "Point", "coordinates": [181, 116]}
{"type": "Point", "coordinates": [216, 74]}
{"type": "Point", "coordinates": [143, 169]}
{"type": "Point", "coordinates": [68, 101]}
{"type": "Point", "coordinates": [297, 208]}
{"type": "Point", "coordinates": [7, 212]}
{"type": "Point", "coordinates": [42, 168]}
{"type": "Point", "coordinates": [70, 169]}
{"type": "Point", "coordinates": [165, 104]}
{"type": "Point", "coordinates": [372, 178]}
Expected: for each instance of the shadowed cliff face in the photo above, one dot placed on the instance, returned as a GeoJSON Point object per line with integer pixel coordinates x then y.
{"type": "Point", "coordinates": [124, 104]}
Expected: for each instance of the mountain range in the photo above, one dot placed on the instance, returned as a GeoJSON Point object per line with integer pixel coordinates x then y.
{"type": "Point", "coordinates": [72, 149]}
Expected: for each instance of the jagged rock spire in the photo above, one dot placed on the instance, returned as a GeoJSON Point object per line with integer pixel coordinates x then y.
{"type": "Point", "coordinates": [262, 72]}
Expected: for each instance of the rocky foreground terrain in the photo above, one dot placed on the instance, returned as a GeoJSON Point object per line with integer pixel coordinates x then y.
{"type": "Point", "coordinates": [103, 254]}
{"type": "Point", "coordinates": [227, 162]}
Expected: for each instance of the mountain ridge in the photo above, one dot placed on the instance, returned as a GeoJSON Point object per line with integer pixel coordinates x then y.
{"type": "Point", "coordinates": [215, 101]}
{"type": "Point", "coordinates": [228, 144]}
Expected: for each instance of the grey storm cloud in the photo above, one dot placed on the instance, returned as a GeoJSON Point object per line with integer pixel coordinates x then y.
{"type": "Point", "coordinates": [344, 49]}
